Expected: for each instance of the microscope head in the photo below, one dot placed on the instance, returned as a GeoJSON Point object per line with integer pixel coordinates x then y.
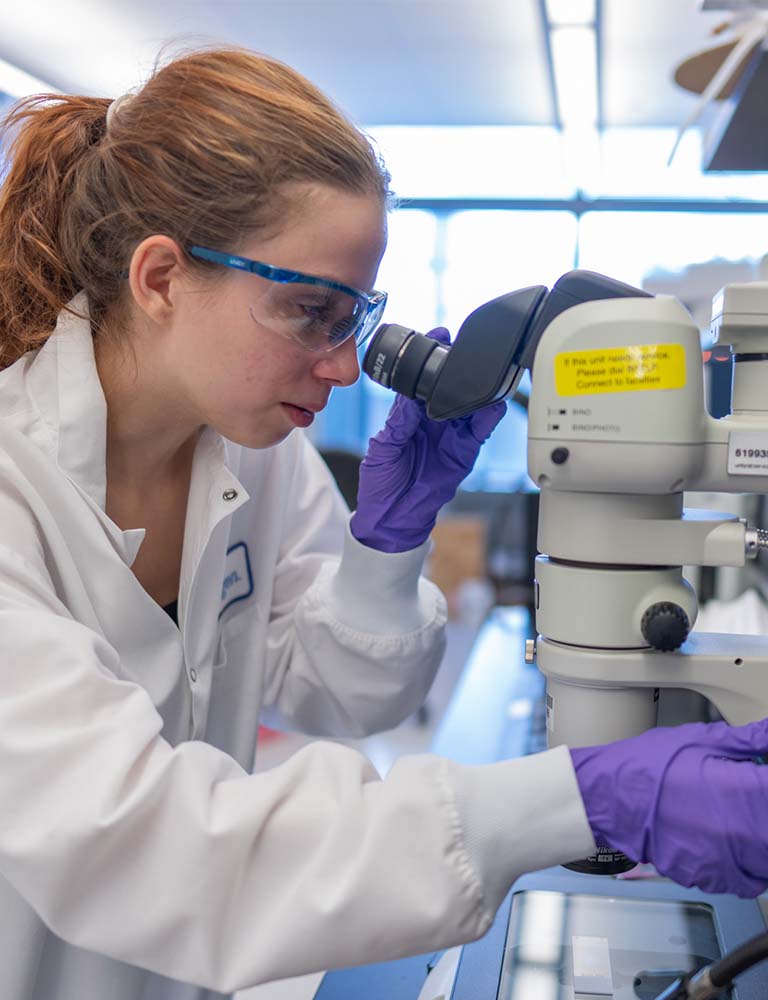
{"type": "Point", "coordinates": [494, 346]}
{"type": "Point", "coordinates": [617, 399]}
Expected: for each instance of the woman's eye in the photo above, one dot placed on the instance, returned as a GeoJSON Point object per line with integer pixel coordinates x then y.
{"type": "Point", "coordinates": [315, 311]}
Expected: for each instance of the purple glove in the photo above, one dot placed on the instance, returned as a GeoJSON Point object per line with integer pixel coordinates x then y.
{"type": "Point", "coordinates": [690, 799]}
{"type": "Point", "coordinates": [414, 465]}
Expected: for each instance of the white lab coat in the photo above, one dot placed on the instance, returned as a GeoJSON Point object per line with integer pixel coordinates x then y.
{"type": "Point", "coordinates": [139, 859]}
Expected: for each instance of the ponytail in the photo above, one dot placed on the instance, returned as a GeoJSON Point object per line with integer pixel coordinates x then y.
{"type": "Point", "coordinates": [49, 137]}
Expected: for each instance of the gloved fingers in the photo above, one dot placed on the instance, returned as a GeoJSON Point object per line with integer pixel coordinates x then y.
{"type": "Point", "coordinates": [718, 738]}
{"type": "Point", "coordinates": [753, 737]}
{"type": "Point", "coordinates": [740, 787]}
{"type": "Point", "coordinates": [441, 335]}
{"type": "Point", "coordinates": [483, 422]}
{"type": "Point", "coordinates": [402, 422]}
{"type": "Point", "coordinates": [739, 742]}
{"type": "Point", "coordinates": [737, 793]}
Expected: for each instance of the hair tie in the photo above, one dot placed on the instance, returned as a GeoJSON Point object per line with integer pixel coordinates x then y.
{"type": "Point", "coordinates": [116, 105]}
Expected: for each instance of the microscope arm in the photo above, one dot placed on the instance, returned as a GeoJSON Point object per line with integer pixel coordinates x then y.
{"type": "Point", "coordinates": [638, 530]}
{"type": "Point", "coordinates": [618, 686]}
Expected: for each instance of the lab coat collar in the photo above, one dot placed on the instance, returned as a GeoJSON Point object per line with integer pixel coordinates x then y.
{"type": "Point", "coordinates": [64, 383]}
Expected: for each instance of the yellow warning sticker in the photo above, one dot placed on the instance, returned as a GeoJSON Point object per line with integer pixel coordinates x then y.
{"type": "Point", "coordinates": [620, 369]}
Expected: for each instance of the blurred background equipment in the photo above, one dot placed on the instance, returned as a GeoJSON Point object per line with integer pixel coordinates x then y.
{"type": "Point", "coordinates": [732, 76]}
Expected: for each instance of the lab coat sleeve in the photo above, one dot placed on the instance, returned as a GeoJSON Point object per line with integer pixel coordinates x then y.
{"type": "Point", "coordinates": [356, 635]}
{"type": "Point", "coordinates": [176, 860]}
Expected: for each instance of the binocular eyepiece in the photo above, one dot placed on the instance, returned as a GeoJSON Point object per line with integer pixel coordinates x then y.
{"type": "Point", "coordinates": [404, 360]}
{"type": "Point", "coordinates": [494, 346]}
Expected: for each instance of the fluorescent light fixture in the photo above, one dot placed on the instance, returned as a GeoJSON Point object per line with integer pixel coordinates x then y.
{"type": "Point", "coordinates": [571, 12]}
{"type": "Point", "coordinates": [574, 58]}
{"type": "Point", "coordinates": [16, 83]}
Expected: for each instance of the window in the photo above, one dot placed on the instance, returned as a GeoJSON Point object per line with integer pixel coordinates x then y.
{"type": "Point", "coordinates": [409, 275]}
{"type": "Point", "coordinates": [448, 255]}
{"type": "Point", "coordinates": [488, 253]}
{"type": "Point", "coordinates": [629, 245]}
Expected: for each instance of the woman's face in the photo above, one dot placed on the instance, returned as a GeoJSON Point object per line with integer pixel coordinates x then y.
{"type": "Point", "coordinates": [240, 376]}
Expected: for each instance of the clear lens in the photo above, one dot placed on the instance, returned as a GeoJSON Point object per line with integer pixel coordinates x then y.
{"type": "Point", "coordinates": [372, 320]}
{"type": "Point", "coordinates": [316, 317]}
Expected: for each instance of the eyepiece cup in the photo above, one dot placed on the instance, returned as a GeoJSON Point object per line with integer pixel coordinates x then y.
{"type": "Point", "coordinates": [410, 365]}
{"type": "Point", "coordinates": [396, 358]}
{"type": "Point", "coordinates": [383, 351]}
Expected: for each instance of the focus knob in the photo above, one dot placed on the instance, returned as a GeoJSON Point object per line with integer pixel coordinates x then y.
{"type": "Point", "coordinates": [665, 626]}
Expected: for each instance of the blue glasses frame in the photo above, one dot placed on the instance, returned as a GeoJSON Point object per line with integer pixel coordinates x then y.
{"type": "Point", "coordinates": [372, 303]}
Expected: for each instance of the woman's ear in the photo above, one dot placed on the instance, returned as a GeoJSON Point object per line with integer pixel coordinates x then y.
{"type": "Point", "coordinates": [155, 275]}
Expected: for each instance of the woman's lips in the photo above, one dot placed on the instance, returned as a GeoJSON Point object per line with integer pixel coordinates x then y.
{"type": "Point", "coordinates": [298, 415]}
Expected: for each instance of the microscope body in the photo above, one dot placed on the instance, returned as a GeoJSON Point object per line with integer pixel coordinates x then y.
{"type": "Point", "coordinates": [618, 431]}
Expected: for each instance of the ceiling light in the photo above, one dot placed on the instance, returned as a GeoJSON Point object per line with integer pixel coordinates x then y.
{"type": "Point", "coordinates": [570, 12]}
{"type": "Point", "coordinates": [16, 83]}
{"type": "Point", "coordinates": [574, 59]}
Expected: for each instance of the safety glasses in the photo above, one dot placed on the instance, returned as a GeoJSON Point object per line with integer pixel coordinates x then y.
{"type": "Point", "coordinates": [317, 313]}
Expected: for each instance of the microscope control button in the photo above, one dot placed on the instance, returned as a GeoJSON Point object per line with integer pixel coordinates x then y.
{"type": "Point", "coordinates": [665, 626]}
{"type": "Point", "coordinates": [559, 455]}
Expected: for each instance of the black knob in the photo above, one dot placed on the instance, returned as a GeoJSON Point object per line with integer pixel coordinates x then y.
{"type": "Point", "coordinates": [665, 626]}
{"type": "Point", "coordinates": [559, 456]}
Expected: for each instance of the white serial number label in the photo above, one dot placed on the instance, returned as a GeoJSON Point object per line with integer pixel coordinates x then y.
{"type": "Point", "coordinates": [748, 453]}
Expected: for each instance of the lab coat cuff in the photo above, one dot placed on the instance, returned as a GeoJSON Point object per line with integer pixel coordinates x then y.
{"type": "Point", "coordinates": [521, 815]}
{"type": "Point", "coordinates": [383, 592]}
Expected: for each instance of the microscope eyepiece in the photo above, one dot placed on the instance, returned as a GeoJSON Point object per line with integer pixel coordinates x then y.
{"type": "Point", "coordinates": [404, 360]}
{"type": "Point", "coordinates": [481, 366]}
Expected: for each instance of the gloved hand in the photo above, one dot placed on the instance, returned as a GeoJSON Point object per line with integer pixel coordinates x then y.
{"type": "Point", "coordinates": [690, 799]}
{"type": "Point", "coordinates": [414, 465]}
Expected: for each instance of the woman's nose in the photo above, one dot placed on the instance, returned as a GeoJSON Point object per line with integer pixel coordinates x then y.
{"type": "Point", "coordinates": [339, 366]}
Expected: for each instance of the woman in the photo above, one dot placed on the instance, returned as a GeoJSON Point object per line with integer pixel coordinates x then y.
{"type": "Point", "coordinates": [184, 275]}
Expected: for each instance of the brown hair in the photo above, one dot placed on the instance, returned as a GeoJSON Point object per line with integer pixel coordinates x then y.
{"type": "Point", "coordinates": [202, 153]}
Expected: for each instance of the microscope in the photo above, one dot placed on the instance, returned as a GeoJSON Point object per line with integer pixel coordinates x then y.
{"type": "Point", "coordinates": [618, 432]}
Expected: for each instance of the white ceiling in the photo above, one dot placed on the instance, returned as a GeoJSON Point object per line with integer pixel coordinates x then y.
{"type": "Point", "coordinates": [384, 61]}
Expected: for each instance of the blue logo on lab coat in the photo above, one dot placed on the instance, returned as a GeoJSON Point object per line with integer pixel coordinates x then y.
{"type": "Point", "coordinates": [238, 578]}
